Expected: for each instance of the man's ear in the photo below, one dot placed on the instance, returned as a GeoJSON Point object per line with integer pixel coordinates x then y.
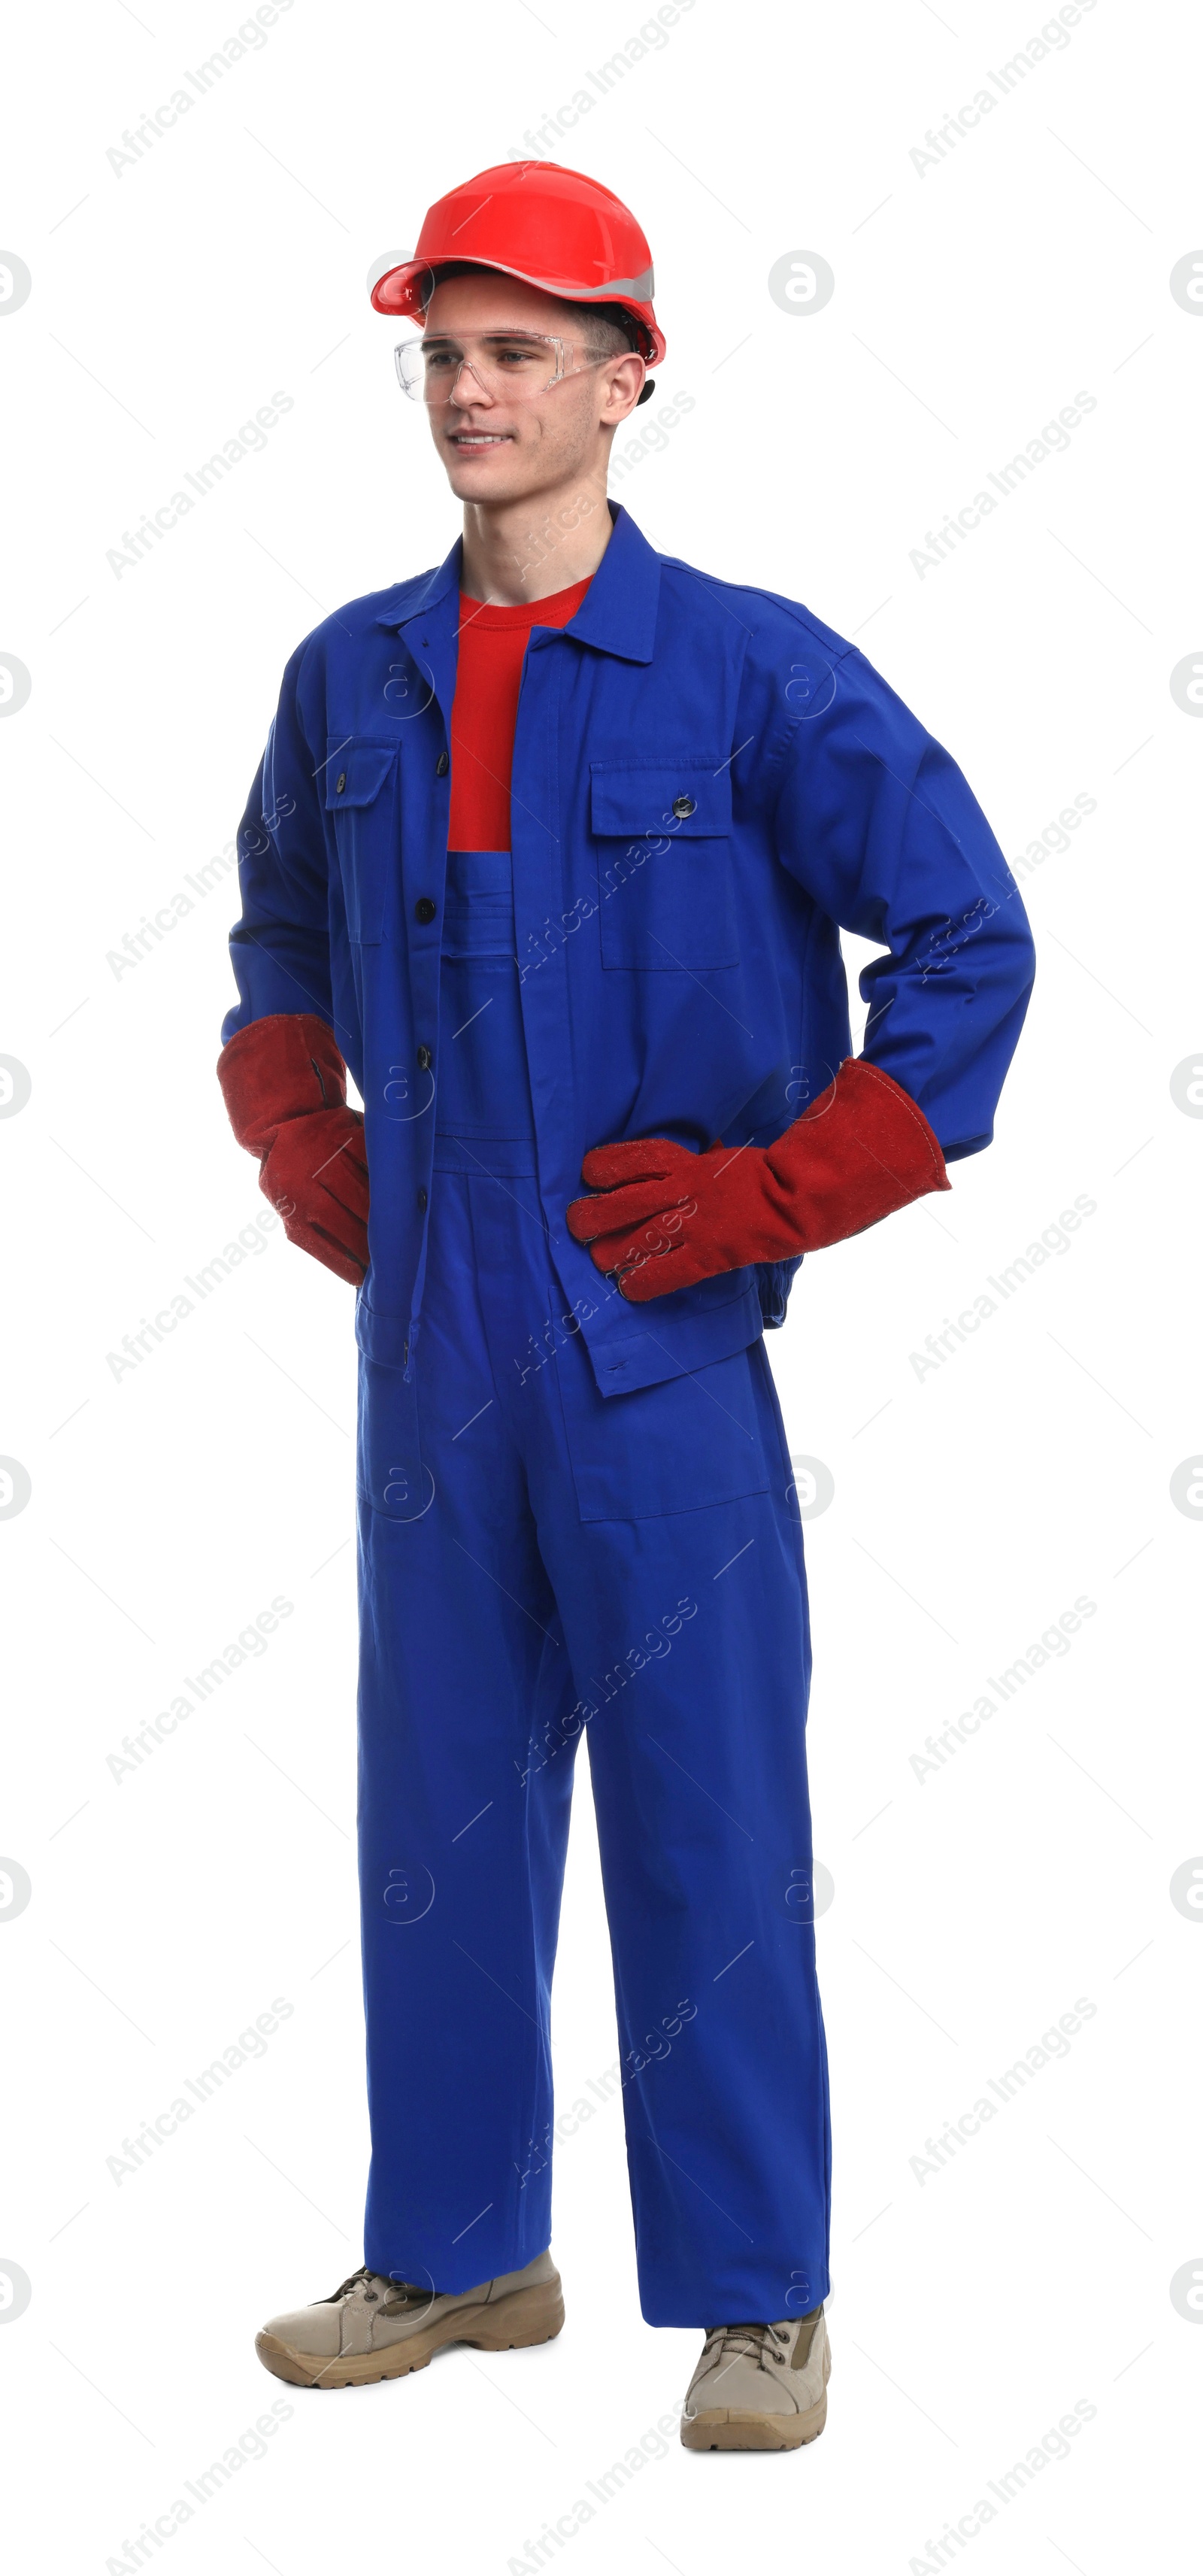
{"type": "Point", "coordinates": [616, 386]}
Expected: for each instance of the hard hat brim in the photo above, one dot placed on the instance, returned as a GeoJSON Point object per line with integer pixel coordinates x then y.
{"type": "Point", "coordinates": [393, 283]}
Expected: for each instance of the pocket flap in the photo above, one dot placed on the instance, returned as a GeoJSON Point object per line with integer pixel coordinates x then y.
{"type": "Point", "coordinates": [633, 800]}
{"type": "Point", "coordinates": [356, 772]}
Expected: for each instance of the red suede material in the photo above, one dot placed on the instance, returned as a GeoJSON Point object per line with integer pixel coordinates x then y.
{"type": "Point", "coordinates": [285, 1087]}
{"type": "Point", "coordinates": [665, 1218]}
{"type": "Point", "coordinates": [317, 1180]}
{"type": "Point", "coordinates": [279, 1068]}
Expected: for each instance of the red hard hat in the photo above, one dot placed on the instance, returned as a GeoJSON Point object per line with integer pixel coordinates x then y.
{"type": "Point", "coordinates": [553, 228]}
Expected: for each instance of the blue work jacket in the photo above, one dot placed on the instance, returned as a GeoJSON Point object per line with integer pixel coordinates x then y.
{"type": "Point", "coordinates": [707, 783]}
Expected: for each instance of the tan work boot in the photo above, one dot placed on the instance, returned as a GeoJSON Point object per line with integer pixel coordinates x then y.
{"type": "Point", "coordinates": [374, 2328]}
{"type": "Point", "coordinates": [759, 2388]}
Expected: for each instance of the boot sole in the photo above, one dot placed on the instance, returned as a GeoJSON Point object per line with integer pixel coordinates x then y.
{"type": "Point", "coordinates": [726, 2428]}
{"type": "Point", "coordinates": [524, 2317]}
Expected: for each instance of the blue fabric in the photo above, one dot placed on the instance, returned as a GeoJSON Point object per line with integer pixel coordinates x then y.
{"type": "Point", "coordinates": [539, 1564]}
{"type": "Point", "coordinates": [679, 973]}
{"type": "Point", "coordinates": [483, 1095]}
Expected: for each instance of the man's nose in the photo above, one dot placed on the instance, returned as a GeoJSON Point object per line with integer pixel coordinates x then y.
{"type": "Point", "coordinates": [469, 388]}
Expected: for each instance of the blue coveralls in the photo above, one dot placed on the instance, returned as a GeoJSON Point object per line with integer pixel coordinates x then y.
{"type": "Point", "coordinates": [576, 1517]}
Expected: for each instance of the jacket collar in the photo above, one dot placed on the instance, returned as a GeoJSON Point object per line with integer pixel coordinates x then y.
{"type": "Point", "coordinates": [617, 614]}
{"type": "Point", "coordinates": [424, 592]}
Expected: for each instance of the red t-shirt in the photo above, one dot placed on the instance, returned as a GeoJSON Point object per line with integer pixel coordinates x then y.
{"type": "Point", "coordinates": [492, 642]}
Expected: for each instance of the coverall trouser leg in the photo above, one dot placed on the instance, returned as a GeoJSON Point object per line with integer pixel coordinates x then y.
{"type": "Point", "coordinates": [539, 1564]}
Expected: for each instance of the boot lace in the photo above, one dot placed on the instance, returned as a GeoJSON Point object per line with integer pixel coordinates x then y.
{"type": "Point", "coordinates": [402, 2294]}
{"type": "Point", "coordinates": [755, 2343]}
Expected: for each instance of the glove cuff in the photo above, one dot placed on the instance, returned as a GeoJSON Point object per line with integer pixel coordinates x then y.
{"type": "Point", "coordinates": [282, 1067]}
{"type": "Point", "coordinates": [861, 1150]}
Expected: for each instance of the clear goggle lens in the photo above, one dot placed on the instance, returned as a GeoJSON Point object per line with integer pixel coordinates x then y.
{"type": "Point", "coordinates": [507, 366]}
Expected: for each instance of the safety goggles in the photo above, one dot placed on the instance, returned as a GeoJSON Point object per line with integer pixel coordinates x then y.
{"type": "Point", "coordinates": [508, 366]}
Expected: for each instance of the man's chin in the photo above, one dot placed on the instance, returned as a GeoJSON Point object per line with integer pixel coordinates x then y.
{"type": "Point", "coordinates": [486, 482]}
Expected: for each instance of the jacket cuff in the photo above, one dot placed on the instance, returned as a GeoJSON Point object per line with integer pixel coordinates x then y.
{"type": "Point", "coordinates": [282, 1067]}
{"type": "Point", "coordinates": [862, 1149]}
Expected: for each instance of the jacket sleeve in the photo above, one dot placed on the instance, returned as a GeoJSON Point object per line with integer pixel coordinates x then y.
{"type": "Point", "coordinates": [879, 826]}
{"type": "Point", "coordinates": [280, 946]}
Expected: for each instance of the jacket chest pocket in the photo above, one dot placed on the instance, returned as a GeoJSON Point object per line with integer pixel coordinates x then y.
{"type": "Point", "coordinates": [361, 796]}
{"type": "Point", "coordinates": [665, 858]}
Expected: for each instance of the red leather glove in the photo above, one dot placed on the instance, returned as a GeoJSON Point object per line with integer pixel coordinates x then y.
{"type": "Point", "coordinates": [285, 1086]}
{"type": "Point", "coordinates": [664, 1218]}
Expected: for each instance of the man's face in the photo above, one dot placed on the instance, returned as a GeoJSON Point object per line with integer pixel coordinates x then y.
{"type": "Point", "coordinates": [497, 446]}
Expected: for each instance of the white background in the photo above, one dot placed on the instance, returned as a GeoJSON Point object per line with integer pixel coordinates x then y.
{"type": "Point", "coordinates": [972, 1906]}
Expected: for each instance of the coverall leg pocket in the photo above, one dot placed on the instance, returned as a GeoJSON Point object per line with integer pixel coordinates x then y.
{"type": "Point", "coordinates": [707, 1436]}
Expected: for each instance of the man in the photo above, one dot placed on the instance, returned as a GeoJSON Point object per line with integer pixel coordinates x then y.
{"type": "Point", "coordinates": [551, 847]}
